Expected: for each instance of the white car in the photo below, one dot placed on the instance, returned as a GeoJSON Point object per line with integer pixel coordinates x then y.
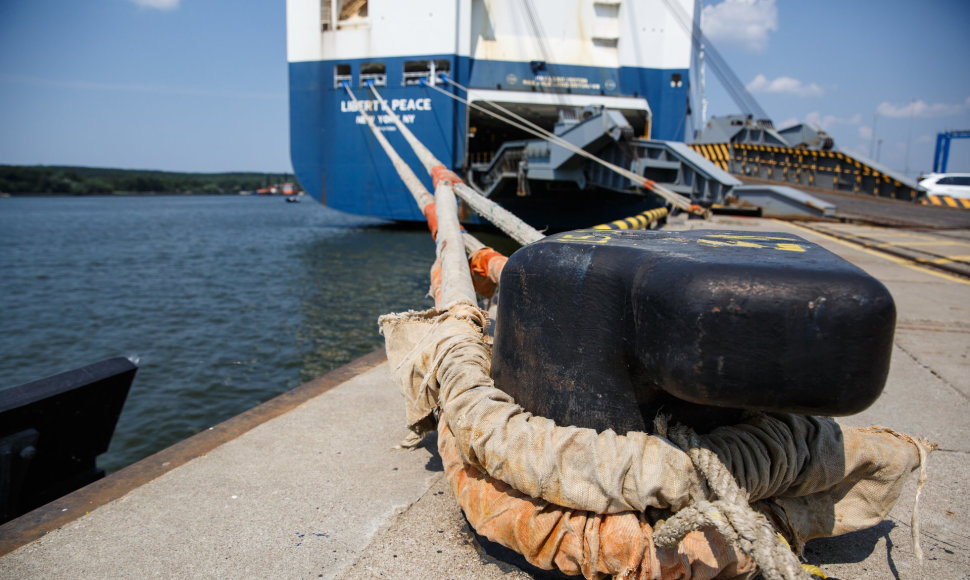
{"type": "Point", "coordinates": [956, 185]}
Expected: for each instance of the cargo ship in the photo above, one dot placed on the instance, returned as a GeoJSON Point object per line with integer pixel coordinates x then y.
{"type": "Point", "coordinates": [543, 59]}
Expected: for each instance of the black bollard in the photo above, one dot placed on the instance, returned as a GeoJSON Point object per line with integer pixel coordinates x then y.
{"type": "Point", "coordinates": [604, 329]}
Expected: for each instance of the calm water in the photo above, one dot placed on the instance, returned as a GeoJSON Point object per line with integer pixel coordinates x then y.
{"type": "Point", "coordinates": [224, 302]}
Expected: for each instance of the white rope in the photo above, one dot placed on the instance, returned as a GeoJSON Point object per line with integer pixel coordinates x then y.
{"type": "Point", "coordinates": [675, 198]}
{"type": "Point", "coordinates": [502, 218]}
{"type": "Point", "coordinates": [730, 513]}
{"type": "Point", "coordinates": [424, 154]}
{"type": "Point", "coordinates": [472, 244]}
{"type": "Point", "coordinates": [488, 209]}
{"type": "Point", "coordinates": [421, 195]}
{"type": "Point", "coordinates": [456, 279]}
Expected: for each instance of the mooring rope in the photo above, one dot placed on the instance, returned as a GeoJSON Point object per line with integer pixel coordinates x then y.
{"type": "Point", "coordinates": [483, 260]}
{"type": "Point", "coordinates": [422, 197]}
{"type": "Point", "coordinates": [456, 279]}
{"type": "Point", "coordinates": [505, 220]}
{"type": "Point", "coordinates": [674, 198]}
{"type": "Point", "coordinates": [730, 513]}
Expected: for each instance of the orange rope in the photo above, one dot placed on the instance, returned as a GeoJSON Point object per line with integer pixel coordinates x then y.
{"type": "Point", "coordinates": [432, 219]}
{"type": "Point", "coordinates": [435, 291]}
{"type": "Point", "coordinates": [582, 542]}
{"type": "Point", "coordinates": [442, 173]}
{"type": "Point", "coordinates": [486, 266]}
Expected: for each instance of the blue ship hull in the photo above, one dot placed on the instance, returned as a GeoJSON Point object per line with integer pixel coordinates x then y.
{"type": "Point", "coordinates": [339, 163]}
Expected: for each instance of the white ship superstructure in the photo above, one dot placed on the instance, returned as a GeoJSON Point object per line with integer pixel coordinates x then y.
{"type": "Point", "coordinates": [537, 57]}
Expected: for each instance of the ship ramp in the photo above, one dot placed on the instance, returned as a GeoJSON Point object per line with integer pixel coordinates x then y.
{"type": "Point", "coordinates": [802, 155]}
{"type": "Point", "coordinates": [781, 201]}
{"type": "Point", "coordinates": [519, 167]}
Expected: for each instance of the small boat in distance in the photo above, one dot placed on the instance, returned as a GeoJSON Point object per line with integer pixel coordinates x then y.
{"type": "Point", "coordinates": [278, 189]}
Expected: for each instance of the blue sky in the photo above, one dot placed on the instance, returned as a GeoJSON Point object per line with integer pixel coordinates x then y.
{"type": "Point", "coordinates": [200, 85]}
{"type": "Point", "coordinates": [196, 85]}
{"type": "Point", "coordinates": [839, 63]}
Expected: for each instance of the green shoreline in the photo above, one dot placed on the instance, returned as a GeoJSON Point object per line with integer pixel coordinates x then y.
{"type": "Point", "coordinates": [43, 180]}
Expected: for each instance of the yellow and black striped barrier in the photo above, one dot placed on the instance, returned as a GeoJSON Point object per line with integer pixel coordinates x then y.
{"type": "Point", "coordinates": [947, 201]}
{"type": "Point", "coordinates": [717, 153]}
{"type": "Point", "coordinates": [641, 221]}
{"type": "Point", "coordinates": [800, 166]}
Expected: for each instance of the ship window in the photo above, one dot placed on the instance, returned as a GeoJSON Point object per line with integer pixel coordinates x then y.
{"type": "Point", "coordinates": [415, 70]}
{"type": "Point", "coordinates": [326, 13]}
{"type": "Point", "coordinates": [373, 71]}
{"type": "Point", "coordinates": [341, 73]}
{"type": "Point", "coordinates": [676, 80]}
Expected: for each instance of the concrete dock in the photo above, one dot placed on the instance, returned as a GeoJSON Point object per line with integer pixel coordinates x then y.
{"type": "Point", "coordinates": [309, 485]}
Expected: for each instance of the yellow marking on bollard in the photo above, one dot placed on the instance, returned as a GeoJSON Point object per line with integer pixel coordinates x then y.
{"type": "Point", "coordinates": [768, 243]}
{"type": "Point", "coordinates": [747, 237]}
{"type": "Point", "coordinates": [587, 239]}
{"type": "Point", "coordinates": [790, 247]}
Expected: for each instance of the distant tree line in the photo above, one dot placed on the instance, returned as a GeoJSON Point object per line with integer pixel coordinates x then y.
{"type": "Point", "coordinates": [62, 180]}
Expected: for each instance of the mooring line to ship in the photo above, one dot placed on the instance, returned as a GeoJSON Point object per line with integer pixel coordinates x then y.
{"type": "Point", "coordinates": [502, 218]}
{"type": "Point", "coordinates": [674, 198]}
{"type": "Point", "coordinates": [421, 195]}
{"type": "Point", "coordinates": [488, 209]}
{"type": "Point", "coordinates": [485, 262]}
{"type": "Point", "coordinates": [505, 220]}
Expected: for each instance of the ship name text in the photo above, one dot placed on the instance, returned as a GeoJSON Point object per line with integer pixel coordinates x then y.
{"type": "Point", "coordinates": [396, 105]}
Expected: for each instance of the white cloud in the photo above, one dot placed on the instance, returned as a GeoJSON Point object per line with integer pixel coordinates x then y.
{"type": "Point", "coordinates": [784, 86]}
{"type": "Point", "coordinates": [741, 22]}
{"type": "Point", "coordinates": [925, 139]}
{"type": "Point", "coordinates": [790, 121]}
{"type": "Point", "coordinates": [828, 121]}
{"type": "Point", "coordinates": [865, 132]}
{"type": "Point", "coordinates": [159, 4]}
{"type": "Point", "coordinates": [921, 108]}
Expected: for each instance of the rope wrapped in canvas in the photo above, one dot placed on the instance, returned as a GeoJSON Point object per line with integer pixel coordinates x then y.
{"type": "Point", "coordinates": [579, 541]}
{"type": "Point", "coordinates": [813, 477]}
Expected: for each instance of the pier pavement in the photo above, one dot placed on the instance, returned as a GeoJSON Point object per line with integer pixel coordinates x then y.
{"type": "Point", "coordinates": [309, 485]}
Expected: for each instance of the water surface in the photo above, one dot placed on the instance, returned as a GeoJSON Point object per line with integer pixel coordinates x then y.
{"type": "Point", "coordinates": [224, 302]}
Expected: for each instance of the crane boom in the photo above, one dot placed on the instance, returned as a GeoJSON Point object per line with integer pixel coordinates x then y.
{"type": "Point", "coordinates": [732, 84]}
